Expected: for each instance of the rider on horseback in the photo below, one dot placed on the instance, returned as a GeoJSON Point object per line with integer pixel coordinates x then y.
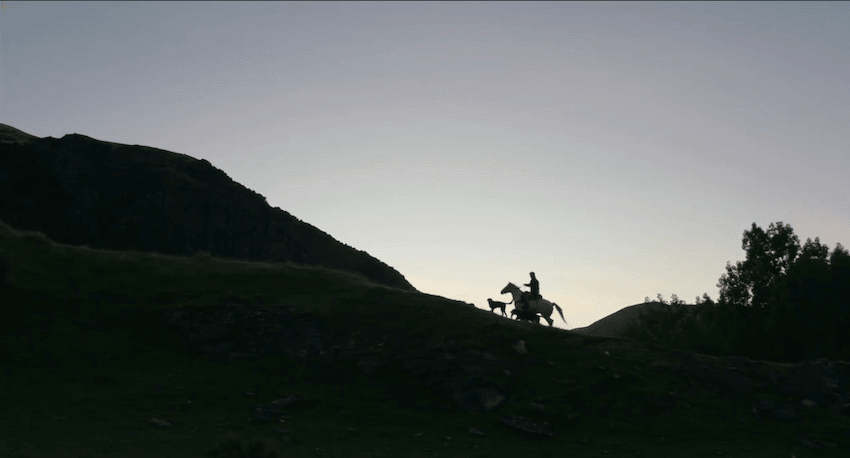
{"type": "Point", "coordinates": [534, 294]}
{"type": "Point", "coordinates": [531, 308]}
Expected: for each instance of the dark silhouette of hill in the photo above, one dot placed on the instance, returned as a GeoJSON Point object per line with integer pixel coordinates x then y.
{"type": "Point", "coordinates": [83, 191]}
{"type": "Point", "coordinates": [117, 353]}
{"type": "Point", "coordinates": [618, 323]}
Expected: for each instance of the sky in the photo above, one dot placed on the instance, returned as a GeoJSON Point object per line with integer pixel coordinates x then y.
{"type": "Point", "coordinates": [618, 150]}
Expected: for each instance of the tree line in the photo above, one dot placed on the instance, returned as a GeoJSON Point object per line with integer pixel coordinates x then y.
{"type": "Point", "coordinates": [784, 302]}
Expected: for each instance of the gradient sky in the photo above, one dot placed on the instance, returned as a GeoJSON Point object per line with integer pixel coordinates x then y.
{"type": "Point", "coordinates": [618, 150]}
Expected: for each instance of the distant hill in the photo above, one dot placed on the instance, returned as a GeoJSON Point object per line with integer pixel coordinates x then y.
{"type": "Point", "coordinates": [616, 324]}
{"type": "Point", "coordinates": [83, 191]}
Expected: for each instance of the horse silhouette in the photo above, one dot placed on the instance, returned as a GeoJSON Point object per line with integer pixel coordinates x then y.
{"type": "Point", "coordinates": [541, 306]}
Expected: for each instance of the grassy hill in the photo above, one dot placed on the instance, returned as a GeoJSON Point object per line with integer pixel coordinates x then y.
{"type": "Point", "coordinates": [132, 354]}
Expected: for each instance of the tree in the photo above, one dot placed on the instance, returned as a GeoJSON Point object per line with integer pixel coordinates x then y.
{"type": "Point", "coordinates": [754, 308]}
{"type": "Point", "coordinates": [769, 255]}
{"type": "Point", "coordinates": [784, 302]}
{"type": "Point", "coordinates": [704, 300]}
{"type": "Point", "coordinates": [839, 266]}
{"type": "Point", "coordinates": [839, 258]}
{"type": "Point", "coordinates": [733, 288]}
{"type": "Point", "coordinates": [800, 320]}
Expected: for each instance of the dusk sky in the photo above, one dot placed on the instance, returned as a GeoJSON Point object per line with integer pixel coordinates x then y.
{"type": "Point", "coordinates": [618, 150]}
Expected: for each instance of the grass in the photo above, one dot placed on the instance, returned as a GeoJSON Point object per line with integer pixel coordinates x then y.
{"type": "Point", "coordinates": [87, 363]}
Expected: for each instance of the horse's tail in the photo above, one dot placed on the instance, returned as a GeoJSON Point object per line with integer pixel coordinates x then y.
{"type": "Point", "coordinates": [561, 312]}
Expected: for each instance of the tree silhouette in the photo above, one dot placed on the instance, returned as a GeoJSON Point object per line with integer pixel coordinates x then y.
{"type": "Point", "coordinates": [783, 301]}
{"type": "Point", "coordinates": [769, 255]}
{"type": "Point", "coordinates": [839, 266]}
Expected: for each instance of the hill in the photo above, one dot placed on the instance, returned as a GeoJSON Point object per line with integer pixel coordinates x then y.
{"type": "Point", "coordinates": [131, 354]}
{"type": "Point", "coordinates": [617, 323]}
{"type": "Point", "coordinates": [82, 191]}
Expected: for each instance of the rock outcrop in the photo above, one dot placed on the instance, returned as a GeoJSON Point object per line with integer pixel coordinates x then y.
{"type": "Point", "coordinates": [83, 191]}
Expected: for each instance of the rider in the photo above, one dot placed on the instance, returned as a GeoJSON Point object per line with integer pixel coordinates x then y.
{"type": "Point", "coordinates": [534, 285]}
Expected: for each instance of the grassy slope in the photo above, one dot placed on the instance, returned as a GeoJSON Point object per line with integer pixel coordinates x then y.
{"type": "Point", "coordinates": [86, 362]}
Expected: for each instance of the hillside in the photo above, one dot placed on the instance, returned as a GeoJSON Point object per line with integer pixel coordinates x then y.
{"type": "Point", "coordinates": [121, 353]}
{"type": "Point", "coordinates": [616, 324]}
{"type": "Point", "coordinates": [83, 191]}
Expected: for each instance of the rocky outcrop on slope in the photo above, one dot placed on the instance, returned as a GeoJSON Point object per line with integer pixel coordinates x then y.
{"type": "Point", "coordinates": [82, 191]}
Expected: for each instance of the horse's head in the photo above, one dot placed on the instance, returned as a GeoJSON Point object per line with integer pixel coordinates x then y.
{"type": "Point", "coordinates": [509, 287]}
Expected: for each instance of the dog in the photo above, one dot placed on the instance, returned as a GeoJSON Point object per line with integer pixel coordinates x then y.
{"type": "Point", "coordinates": [498, 305]}
{"type": "Point", "coordinates": [522, 316]}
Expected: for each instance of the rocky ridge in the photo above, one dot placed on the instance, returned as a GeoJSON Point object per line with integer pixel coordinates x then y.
{"type": "Point", "coordinates": [83, 191]}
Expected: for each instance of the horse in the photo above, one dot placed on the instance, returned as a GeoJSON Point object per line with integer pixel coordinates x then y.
{"type": "Point", "coordinates": [541, 306]}
{"type": "Point", "coordinates": [498, 305]}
